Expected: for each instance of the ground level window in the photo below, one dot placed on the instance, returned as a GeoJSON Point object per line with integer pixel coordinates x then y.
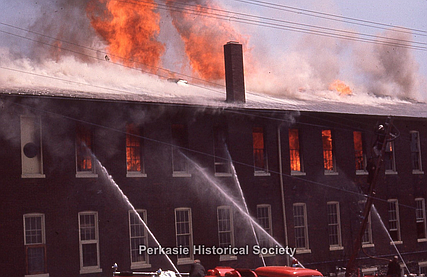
{"type": "Point", "coordinates": [89, 242]}
{"type": "Point", "coordinates": [35, 244]}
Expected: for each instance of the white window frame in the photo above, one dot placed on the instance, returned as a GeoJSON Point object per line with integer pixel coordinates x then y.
{"type": "Point", "coordinates": [218, 147]}
{"type": "Point", "coordinates": [96, 268]}
{"type": "Point", "coordinates": [42, 243]}
{"type": "Point", "coordinates": [336, 225]}
{"type": "Point", "coordinates": [190, 258]}
{"type": "Point", "coordinates": [420, 215]}
{"type": "Point", "coordinates": [230, 231]}
{"type": "Point", "coordinates": [394, 217]}
{"type": "Point", "coordinates": [28, 129]}
{"type": "Point", "coordinates": [304, 227]}
{"type": "Point", "coordinates": [265, 221]}
{"type": "Point", "coordinates": [144, 237]}
{"type": "Point", "coordinates": [368, 229]}
{"type": "Point", "coordinates": [422, 268]}
{"type": "Point", "coordinates": [420, 169]}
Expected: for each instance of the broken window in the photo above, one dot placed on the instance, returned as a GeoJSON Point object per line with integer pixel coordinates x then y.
{"type": "Point", "coordinates": [31, 147]}
{"type": "Point", "coordinates": [358, 151]}
{"type": "Point", "coordinates": [84, 150]}
{"type": "Point", "coordinates": [328, 154]}
{"type": "Point", "coordinates": [221, 156]}
{"type": "Point", "coordinates": [389, 160]}
{"type": "Point", "coordinates": [260, 156]}
{"type": "Point", "coordinates": [415, 151]}
{"type": "Point", "coordinates": [180, 144]}
{"type": "Point", "coordinates": [294, 150]}
{"type": "Point", "coordinates": [134, 148]}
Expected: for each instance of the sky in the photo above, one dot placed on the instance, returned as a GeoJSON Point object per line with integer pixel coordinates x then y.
{"type": "Point", "coordinates": [281, 61]}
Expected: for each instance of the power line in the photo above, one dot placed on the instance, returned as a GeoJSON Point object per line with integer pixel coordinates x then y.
{"type": "Point", "coordinates": [334, 17]}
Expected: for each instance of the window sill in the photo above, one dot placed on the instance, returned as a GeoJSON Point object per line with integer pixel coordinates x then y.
{"type": "Point", "coordinates": [37, 175]}
{"type": "Point", "coordinates": [88, 270]}
{"type": "Point", "coordinates": [362, 172]}
{"type": "Point", "coordinates": [221, 174]}
{"type": "Point", "coordinates": [183, 261]}
{"type": "Point", "coordinates": [37, 275]}
{"type": "Point", "coordinates": [261, 173]}
{"type": "Point", "coordinates": [422, 240]}
{"type": "Point", "coordinates": [139, 265]}
{"type": "Point", "coordinates": [368, 245]}
{"type": "Point", "coordinates": [227, 258]}
{"type": "Point", "coordinates": [298, 173]}
{"type": "Point", "coordinates": [303, 251]}
{"type": "Point", "coordinates": [396, 242]}
{"type": "Point", "coordinates": [336, 248]}
{"type": "Point", "coordinates": [390, 172]}
{"type": "Point", "coordinates": [181, 174]}
{"type": "Point", "coordinates": [415, 172]}
{"type": "Point", "coordinates": [331, 173]}
{"type": "Point", "coordinates": [135, 174]}
{"type": "Point", "coordinates": [86, 175]}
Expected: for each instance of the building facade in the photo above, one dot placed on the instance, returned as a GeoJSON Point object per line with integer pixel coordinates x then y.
{"type": "Point", "coordinates": [79, 175]}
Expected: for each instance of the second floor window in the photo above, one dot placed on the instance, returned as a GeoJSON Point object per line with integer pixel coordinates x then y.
{"type": "Point", "coordinates": [360, 158]}
{"type": "Point", "coordinates": [31, 147]}
{"type": "Point", "coordinates": [295, 151]}
{"type": "Point", "coordinates": [84, 150]}
{"type": "Point", "coordinates": [389, 159]}
{"type": "Point", "coordinates": [221, 155]}
{"type": "Point", "coordinates": [260, 155]}
{"type": "Point", "coordinates": [415, 151]}
{"type": "Point", "coordinates": [328, 153]}
{"type": "Point", "coordinates": [180, 144]}
{"type": "Point", "coordinates": [134, 148]}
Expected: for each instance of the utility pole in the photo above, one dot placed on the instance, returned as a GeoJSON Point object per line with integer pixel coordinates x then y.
{"type": "Point", "coordinates": [351, 265]}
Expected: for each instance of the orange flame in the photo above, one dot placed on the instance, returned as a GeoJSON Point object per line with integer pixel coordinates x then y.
{"type": "Point", "coordinates": [341, 87]}
{"type": "Point", "coordinates": [203, 35]}
{"type": "Point", "coordinates": [130, 30]}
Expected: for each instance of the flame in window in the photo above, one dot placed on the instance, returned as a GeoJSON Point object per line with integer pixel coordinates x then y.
{"type": "Point", "coordinates": [328, 163]}
{"type": "Point", "coordinates": [133, 148]}
{"type": "Point", "coordinates": [294, 150]}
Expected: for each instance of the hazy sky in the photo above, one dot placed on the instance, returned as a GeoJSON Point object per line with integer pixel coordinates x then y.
{"type": "Point", "coordinates": [285, 55]}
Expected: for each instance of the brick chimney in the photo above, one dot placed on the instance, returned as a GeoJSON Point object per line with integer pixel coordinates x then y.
{"type": "Point", "coordinates": [234, 78]}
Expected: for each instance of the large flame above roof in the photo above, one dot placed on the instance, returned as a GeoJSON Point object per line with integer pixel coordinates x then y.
{"type": "Point", "coordinates": [130, 30]}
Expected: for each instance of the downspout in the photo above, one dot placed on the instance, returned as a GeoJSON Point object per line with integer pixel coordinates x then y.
{"type": "Point", "coordinates": [282, 190]}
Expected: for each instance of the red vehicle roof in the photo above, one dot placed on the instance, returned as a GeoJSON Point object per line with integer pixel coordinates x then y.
{"type": "Point", "coordinates": [285, 271]}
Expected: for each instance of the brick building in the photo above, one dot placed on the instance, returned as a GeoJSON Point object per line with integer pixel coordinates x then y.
{"type": "Point", "coordinates": [301, 166]}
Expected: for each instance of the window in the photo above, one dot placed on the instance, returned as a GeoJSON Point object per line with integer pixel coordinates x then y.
{"type": "Point", "coordinates": [134, 152]}
{"type": "Point", "coordinates": [367, 240]}
{"type": "Point", "coordinates": [295, 152]}
{"type": "Point", "coordinates": [300, 227]}
{"type": "Point", "coordinates": [394, 220]}
{"type": "Point", "coordinates": [416, 152]}
{"type": "Point", "coordinates": [334, 226]}
{"type": "Point", "coordinates": [138, 236]}
{"type": "Point", "coordinates": [420, 213]}
{"type": "Point", "coordinates": [389, 159]}
{"type": "Point", "coordinates": [221, 155]}
{"type": "Point", "coordinates": [422, 268]}
{"type": "Point", "coordinates": [84, 152]}
{"type": "Point", "coordinates": [359, 155]}
{"type": "Point", "coordinates": [89, 242]}
{"type": "Point", "coordinates": [263, 212]}
{"type": "Point", "coordinates": [328, 154]}
{"type": "Point", "coordinates": [180, 143]}
{"type": "Point", "coordinates": [31, 147]}
{"type": "Point", "coordinates": [225, 230]}
{"type": "Point", "coordinates": [260, 155]}
{"type": "Point", "coordinates": [35, 244]}
{"type": "Point", "coordinates": [184, 233]}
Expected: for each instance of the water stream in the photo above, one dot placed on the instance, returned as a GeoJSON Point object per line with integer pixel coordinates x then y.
{"type": "Point", "coordinates": [375, 212]}
{"type": "Point", "coordinates": [126, 199]}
